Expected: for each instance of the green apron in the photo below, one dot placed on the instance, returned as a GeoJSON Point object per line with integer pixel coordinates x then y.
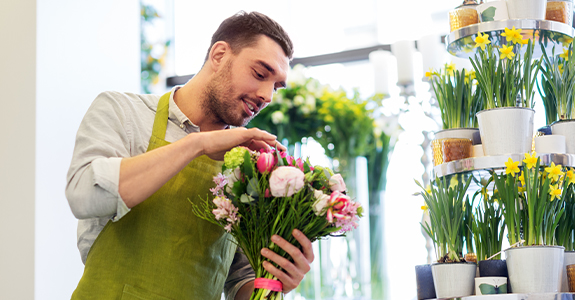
{"type": "Point", "coordinates": [160, 249]}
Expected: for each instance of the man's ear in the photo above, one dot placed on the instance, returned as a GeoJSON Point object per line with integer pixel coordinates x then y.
{"type": "Point", "coordinates": [219, 52]}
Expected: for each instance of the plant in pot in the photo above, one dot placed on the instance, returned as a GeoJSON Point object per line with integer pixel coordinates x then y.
{"type": "Point", "coordinates": [488, 232]}
{"type": "Point", "coordinates": [452, 276]}
{"type": "Point", "coordinates": [506, 77]}
{"type": "Point", "coordinates": [458, 103]}
{"type": "Point", "coordinates": [565, 233]}
{"type": "Point", "coordinates": [557, 87]}
{"type": "Point", "coordinates": [532, 207]}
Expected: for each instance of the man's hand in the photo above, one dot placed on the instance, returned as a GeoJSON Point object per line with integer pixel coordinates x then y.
{"type": "Point", "coordinates": [293, 272]}
{"type": "Point", "coordinates": [216, 143]}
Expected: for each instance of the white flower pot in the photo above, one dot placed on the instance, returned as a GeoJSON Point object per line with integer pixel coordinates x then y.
{"type": "Point", "coordinates": [506, 130]}
{"type": "Point", "coordinates": [527, 9]}
{"type": "Point", "coordinates": [492, 11]}
{"type": "Point", "coordinates": [569, 259]}
{"type": "Point", "coordinates": [453, 279]}
{"type": "Point", "coordinates": [460, 133]}
{"type": "Point", "coordinates": [567, 129]}
{"type": "Point", "coordinates": [535, 269]}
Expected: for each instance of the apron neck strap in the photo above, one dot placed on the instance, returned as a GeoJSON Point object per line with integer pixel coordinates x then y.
{"type": "Point", "coordinates": [161, 119]}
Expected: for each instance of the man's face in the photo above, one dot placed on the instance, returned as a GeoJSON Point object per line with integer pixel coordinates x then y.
{"type": "Point", "coordinates": [246, 82]}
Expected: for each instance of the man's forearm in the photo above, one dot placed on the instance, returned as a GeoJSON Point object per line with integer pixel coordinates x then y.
{"type": "Point", "coordinates": [245, 291]}
{"type": "Point", "coordinates": [143, 175]}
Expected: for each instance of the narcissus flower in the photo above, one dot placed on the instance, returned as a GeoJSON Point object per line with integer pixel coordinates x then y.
{"type": "Point", "coordinates": [506, 52]}
{"type": "Point", "coordinates": [530, 160]}
{"type": "Point", "coordinates": [570, 178]}
{"type": "Point", "coordinates": [450, 68]}
{"type": "Point", "coordinates": [512, 167]}
{"type": "Point", "coordinates": [554, 171]}
{"type": "Point", "coordinates": [522, 178]}
{"type": "Point", "coordinates": [554, 192]}
{"type": "Point", "coordinates": [482, 40]}
{"type": "Point", "coordinates": [565, 54]}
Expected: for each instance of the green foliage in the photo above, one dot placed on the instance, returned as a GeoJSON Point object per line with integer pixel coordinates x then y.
{"type": "Point", "coordinates": [565, 234]}
{"type": "Point", "coordinates": [445, 205]}
{"type": "Point", "coordinates": [458, 100]}
{"type": "Point", "coordinates": [488, 226]}
{"type": "Point", "coordinates": [557, 85]}
{"type": "Point", "coordinates": [503, 80]}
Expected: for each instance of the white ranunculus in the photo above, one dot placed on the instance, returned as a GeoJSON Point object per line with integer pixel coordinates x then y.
{"type": "Point", "coordinates": [298, 100]}
{"type": "Point", "coordinates": [278, 117]}
{"type": "Point", "coordinates": [232, 176]}
{"type": "Point", "coordinates": [320, 203]}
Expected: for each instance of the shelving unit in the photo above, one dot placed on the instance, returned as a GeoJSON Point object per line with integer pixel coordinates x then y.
{"type": "Point", "coordinates": [550, 34]}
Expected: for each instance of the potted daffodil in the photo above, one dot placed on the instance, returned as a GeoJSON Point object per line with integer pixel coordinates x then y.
{"type": "Point", "coordinates": [533, 204]}
{"type": "Point", "coordinates": [452, 276]}
{"type": "Point", "coordinates": [557, 87]}
{"type": "Point", "coordinates": [506, 77]}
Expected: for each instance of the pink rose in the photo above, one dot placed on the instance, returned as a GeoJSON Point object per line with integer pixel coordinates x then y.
{"type": "Point", "coordinates": [336, 183]}
{"type": "Point", "coordinates": [286, 181]}
{"type": "Point", "coordinates": [266, 162]}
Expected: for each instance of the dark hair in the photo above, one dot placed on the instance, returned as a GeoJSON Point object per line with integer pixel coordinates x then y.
{"type": "Point", "coordinates": [242, 30]}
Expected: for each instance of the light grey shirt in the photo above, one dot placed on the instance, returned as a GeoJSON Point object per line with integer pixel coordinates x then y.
{"type": "Point", "coordinates": [119, 125]}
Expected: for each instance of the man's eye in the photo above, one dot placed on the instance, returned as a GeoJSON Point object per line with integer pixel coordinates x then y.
{"type": "Point", "coordinates": [259, 75]}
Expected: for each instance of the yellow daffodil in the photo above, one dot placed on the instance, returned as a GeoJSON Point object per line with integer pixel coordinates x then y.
{"type": "Point", "coordinates": [565, 54]}
{"type": "Point", "coordinates": [524, 42]}
{"type": "Point", "coordinates": [522, 178]}
{"type": "Point", "coordinates": [512, 167]}
{"type": "Point", "coordinates": [509, 33]}
{"type": "Point", "coordinates": [429, 73]}
{"type": "Point", "coordinates": [554, 171]}
{"type": "Point", "coordinates": [530, 160]}
{"type": "Point", "coordinates": [521, 189]}
{"type": "Point", "coordinates": [506, 52]}
{"type": "Point", "coordinates": [570, 178]}
{"type": "Point", "coordinates": [482, 40]}
{"type": "Point", "coordinates": [565, 41]}
{"type": "Point", "coordinates": [469, 75]}
{"type": "Point", "coordinates": [450, 68]}
{"type": "Point", "coordinates": [424, 208]}
{"type": "Point", "coordinates": [428, 189]}
{"type": "Point", "coordinates": [554, 192]}
{"type": "Point", "coordinates": [561, 69]}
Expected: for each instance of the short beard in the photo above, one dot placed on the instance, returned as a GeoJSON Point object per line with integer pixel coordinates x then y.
{"type": "Point", "coordinates": [218, 92]}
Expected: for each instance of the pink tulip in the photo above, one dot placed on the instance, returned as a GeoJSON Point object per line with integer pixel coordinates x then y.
{"type": "Point", "coordinates": [299, 164]}
{"type": "Point", "coordinates": [266, 162]}
{"type": "Point", "coordinates": [337, 204]}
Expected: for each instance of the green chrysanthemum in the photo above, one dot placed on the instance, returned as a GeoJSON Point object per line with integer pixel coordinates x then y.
{"type": "Point", "coordinates": [235, 157]}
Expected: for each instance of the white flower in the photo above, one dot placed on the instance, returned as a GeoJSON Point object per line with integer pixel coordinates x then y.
{"type": "Point", "coordinates": [298, 100]}
{"type": "Point", "coordinates": [232, 176]}
{"type": "Point", "coordinates": [286, 181]}
{"type": "Point", "coordinates": [277, 117]}
{"type": "Point", "coordinates": [321, 202]}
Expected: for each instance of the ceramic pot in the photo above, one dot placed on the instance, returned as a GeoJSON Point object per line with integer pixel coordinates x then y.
{"type": "Point", "coordinates": [550, 144]}
{"type": "Point", "coordinates": [569, 259]}
{"type": "Point", "coordinates": [453, 279]}
{"type": "Point", "coordinates": [506, 130]}
{"type": "Point", "coordinates": [424, 281]}
{"type": "Point", "coordinates": [567, 129]}
{"type": "Point", "coordinates": [535, 269]}
{"type": "Point", "coordinates": [527, 9]}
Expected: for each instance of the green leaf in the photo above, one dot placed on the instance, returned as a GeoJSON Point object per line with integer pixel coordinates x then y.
{"type": "Point", "coordinates": [488, 14]}
{"type": "Point", "coordinates": [248, 166]}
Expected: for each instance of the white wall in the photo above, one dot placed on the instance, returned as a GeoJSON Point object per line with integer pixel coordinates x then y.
{"type": "Point", "coordinates": [59, 55]}
{"type": "Point", "coordinates": [17, 147]}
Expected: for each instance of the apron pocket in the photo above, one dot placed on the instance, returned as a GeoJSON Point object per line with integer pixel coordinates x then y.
{"type": "Point", "coordinates": [136, 293]}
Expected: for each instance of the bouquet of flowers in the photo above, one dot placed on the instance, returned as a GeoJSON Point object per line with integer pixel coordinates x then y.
{"type": "Point", "coordinates": [259, 194]}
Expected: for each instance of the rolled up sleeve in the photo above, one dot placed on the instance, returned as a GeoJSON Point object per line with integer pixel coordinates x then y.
{"type": "Point", "coordinates": [101, 143]}
{"type": "Point", "coordinates": [241, 272]}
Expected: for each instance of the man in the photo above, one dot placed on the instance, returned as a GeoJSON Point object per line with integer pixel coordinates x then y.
{"type": "Point", "coordinates": [139, 157]}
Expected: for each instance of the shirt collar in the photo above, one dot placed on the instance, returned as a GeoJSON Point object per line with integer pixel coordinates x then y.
{"type": "Point", "coordinates": [177, 115]}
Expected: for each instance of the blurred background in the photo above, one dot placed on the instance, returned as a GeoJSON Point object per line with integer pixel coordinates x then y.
{"type": "Point", "coordinates": [58, 55]}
